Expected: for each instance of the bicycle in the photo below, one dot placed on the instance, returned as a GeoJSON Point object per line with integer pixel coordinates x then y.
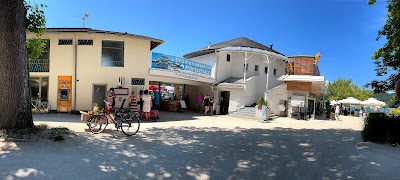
{"type": "Point", "coordinates": [40, 105]}
{"type": "Point", "coordinates": [123, 119]}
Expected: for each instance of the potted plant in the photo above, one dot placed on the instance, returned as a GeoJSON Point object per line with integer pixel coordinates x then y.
{"type": "Point", "coordinates": [260, 103]}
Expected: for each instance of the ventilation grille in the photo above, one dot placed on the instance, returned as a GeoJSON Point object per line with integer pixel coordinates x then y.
{"type": "Point", "coordinates": [65, 42]}
{"type": "Point", "coordinates": [85, 42]}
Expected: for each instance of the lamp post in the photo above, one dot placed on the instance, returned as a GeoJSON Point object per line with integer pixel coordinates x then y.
{"type": "Point", "coordinates": [86, 15]}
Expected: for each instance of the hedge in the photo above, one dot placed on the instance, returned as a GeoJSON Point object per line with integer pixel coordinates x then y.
{"type": "Point", "coordinates": [381, 128]}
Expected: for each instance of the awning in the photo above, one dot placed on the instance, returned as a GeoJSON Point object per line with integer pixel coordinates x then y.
{"type": "Point", "coordinates": [302, 78]}
{"type": "Point", "coordinates": [256, 51]}
{"type": "Point", "coordinates": [318, 82]}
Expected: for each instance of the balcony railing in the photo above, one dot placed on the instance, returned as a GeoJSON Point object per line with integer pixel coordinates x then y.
{"type": "Point", "coordinates": [39, 65]}
{"type": "Point", "coordinates": [112, 63]}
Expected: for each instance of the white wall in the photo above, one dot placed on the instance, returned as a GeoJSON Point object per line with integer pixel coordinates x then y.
{"type": "Point", "coordinates": [210, 59]}
{"type": "Point", "coordinates": [275, 95]}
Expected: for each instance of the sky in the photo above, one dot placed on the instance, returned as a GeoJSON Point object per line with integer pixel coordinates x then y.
{"type": "Point", "coordinates": [344, 31]}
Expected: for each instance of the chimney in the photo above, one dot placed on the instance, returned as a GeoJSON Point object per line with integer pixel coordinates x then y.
{"type": "Point", "coordinates": [270, 45]}
{"type": "Point", "coordinates": [209, 45]}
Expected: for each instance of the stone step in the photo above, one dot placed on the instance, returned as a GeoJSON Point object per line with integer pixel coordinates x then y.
{"type": "Point", "coordinates": [243, 114]}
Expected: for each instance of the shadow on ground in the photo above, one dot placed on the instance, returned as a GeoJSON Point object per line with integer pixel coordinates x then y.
{"type": "Point", "coordinates": [72, 118]}
{"type": "Point", "coordinates": [204, 153]}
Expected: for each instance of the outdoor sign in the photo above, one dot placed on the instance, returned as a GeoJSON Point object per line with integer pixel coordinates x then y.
{"type": "Point", "coordinates": [395, 111]}
{"type": "Point", "coordinates": [137, 82]}
{"type": "Point", "coordinates": [183, 67]}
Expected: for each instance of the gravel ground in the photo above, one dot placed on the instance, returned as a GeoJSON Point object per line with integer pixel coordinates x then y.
{"type": "Point", "coordinates": [191, 146]}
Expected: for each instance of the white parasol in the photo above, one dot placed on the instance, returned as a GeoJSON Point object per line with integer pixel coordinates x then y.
{"type": "Point", "coordinates": [373, 102]}
{"type": "Point", "coordinates": [333, 102]}
{"type": "Point", "coordinates": [350, 100]}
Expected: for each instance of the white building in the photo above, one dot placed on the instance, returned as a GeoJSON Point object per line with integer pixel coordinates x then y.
{"type": "Point", "coordinates": [247, 71]}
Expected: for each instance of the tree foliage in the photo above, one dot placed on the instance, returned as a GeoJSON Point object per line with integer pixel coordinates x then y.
{"type": "Point", "coordinates": [35, 22]}
{"type": "Point", "coordinates": [342, 88]}
{"type": "Point", "coordinates": [387, 58]}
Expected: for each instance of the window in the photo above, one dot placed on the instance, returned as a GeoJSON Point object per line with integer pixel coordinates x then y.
{"type": "Point", "coordinates": [112, 53]}
{"type": "Point", "coordinates": [65, 42]}
{"type": "Point", "coordinates": [274, 72]}
{"type": "Point", "coordinates": [85, 42]}
{"type": "Point", "coordinates": [246, 66]}
{"type": "Point", "coordinates": [256, 68]}
{"type": "Point", "coordinates": [228, 58]}
{"type": "Point", "coordinates": [266, 70]}
{"type": "Point", "coordinates": [39, 87]}
{"type": "Point", "coordinates": [41, 64]}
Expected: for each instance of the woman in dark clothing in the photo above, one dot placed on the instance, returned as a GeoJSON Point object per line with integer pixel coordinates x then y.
{"type": "Point", "coordinates": [140, 102]}
{"type": "Point", "coordinates": [207, 104]}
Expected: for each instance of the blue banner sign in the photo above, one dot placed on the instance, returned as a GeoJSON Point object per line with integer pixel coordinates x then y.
{"type": "Point", "coordinates": [182, 65]}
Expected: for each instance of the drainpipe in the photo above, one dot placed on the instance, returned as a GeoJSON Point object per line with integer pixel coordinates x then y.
{"type": "Point", "coordinates": [267, 85]}
{"type": "Point", "coordinates": [75, 72]}
{"type": "Point", "coordinates": [216, 74]}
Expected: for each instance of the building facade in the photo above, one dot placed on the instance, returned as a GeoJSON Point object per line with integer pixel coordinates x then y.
{"type": "Point", "coordinates": [79, 65]}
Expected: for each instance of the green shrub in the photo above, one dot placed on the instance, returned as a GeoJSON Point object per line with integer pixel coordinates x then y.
{"type": "Point", "coordinates": [261, 102]}
{"type": "Point", "coordinates": [381, 128]}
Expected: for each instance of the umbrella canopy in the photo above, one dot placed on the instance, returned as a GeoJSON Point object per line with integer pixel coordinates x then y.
{"type": "Point", "coordinates": [350, 100]}
{"type": "Point", "coordinates": [333, 102]}
{"type": "Point", "coordinates": [373, 102]}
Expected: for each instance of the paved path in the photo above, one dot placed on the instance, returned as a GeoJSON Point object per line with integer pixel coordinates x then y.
{"type": "Point", "coordinates": [187, 146]}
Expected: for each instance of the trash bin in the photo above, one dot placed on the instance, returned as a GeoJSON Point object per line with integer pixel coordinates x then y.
{"type": "Point", "coordinates": [356, 113]}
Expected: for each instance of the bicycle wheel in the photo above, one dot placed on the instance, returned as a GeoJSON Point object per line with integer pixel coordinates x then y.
{"type": "Point", "coordinates": [130, 125]}
{"type": "Point", "coordinates": [97, 124]}
{"type": "Point", "coordinates": [44, 108]}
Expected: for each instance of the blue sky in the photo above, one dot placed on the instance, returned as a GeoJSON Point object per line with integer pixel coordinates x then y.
{"type": "Point", "coordinates": [344, 31]}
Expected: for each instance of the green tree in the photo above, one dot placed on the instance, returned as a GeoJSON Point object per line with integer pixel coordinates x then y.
{"type": "Point", "coordinates": [387, 58]}
{"type": "Point", "coordinates": [393, 102]}
{"type": "Point", "coordinates": [342, 88]}
{"type": "Point", "coordinates": [16, 19]}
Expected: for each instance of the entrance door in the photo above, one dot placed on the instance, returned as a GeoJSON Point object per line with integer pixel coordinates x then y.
{"type": "Point", "coordinates": [99, 94]}
{"type": "Point", "coordinates": [311, 107]}
{"type": "Point", "coordinates": [225, 102]}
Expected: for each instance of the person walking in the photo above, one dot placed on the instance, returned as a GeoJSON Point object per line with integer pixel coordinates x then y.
{"type": "Point", "coordinates": [337, 111]}
{"type": "Point", "coordinates": [146, 104]}
{"type": "Point", "coordinates": [156, 103]}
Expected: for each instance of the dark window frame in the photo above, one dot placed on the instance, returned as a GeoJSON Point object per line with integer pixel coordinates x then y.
{"type": "Point", "coordinates": [228, 57]}
{"type": "Point", "coordinates": [275, 72]}
{"type": "Point", "coordinates": [256, 68]}
{"type": "Point", "coordinates": [113, 46]}
{"type": "Point", "coordinates": [266, 70]}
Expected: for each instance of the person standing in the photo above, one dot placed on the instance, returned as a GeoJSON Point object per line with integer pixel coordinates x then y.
{"type": "Point", "coordinates": [146, 104]}
{"type": "Point", "coordinates": [207, 104]}
{"type": "Point", "coordinates": [133, 103]}
{"type": "Point", "coordinates": [199, 100]}
{"type": "Point", "coordinates": [110, 96]}
{"type": "Point", "coordinates": [140, 102]}
{"type": "Point", "coordinates": [337, 111]}
{"type": "Point", "coordinates": [156, 103]}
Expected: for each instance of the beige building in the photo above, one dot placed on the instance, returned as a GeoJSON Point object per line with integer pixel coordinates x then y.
{"type": "Point", "coordinates": [80, 64]}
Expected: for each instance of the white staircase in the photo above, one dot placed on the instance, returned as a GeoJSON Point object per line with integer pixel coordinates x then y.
{"type": "Point", "coordinates": [249, 112]}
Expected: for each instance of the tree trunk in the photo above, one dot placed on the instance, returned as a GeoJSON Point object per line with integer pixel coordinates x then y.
{"type": "Point", "coordinates": [15, 110]}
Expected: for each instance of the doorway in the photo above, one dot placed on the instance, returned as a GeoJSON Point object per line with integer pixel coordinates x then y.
{"type": "Point", "coordinates": [99, 94]}
{"type": "Point", "coordinates": [225, 102]}
{"type": "Point", "coordinates": [311, 107]}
